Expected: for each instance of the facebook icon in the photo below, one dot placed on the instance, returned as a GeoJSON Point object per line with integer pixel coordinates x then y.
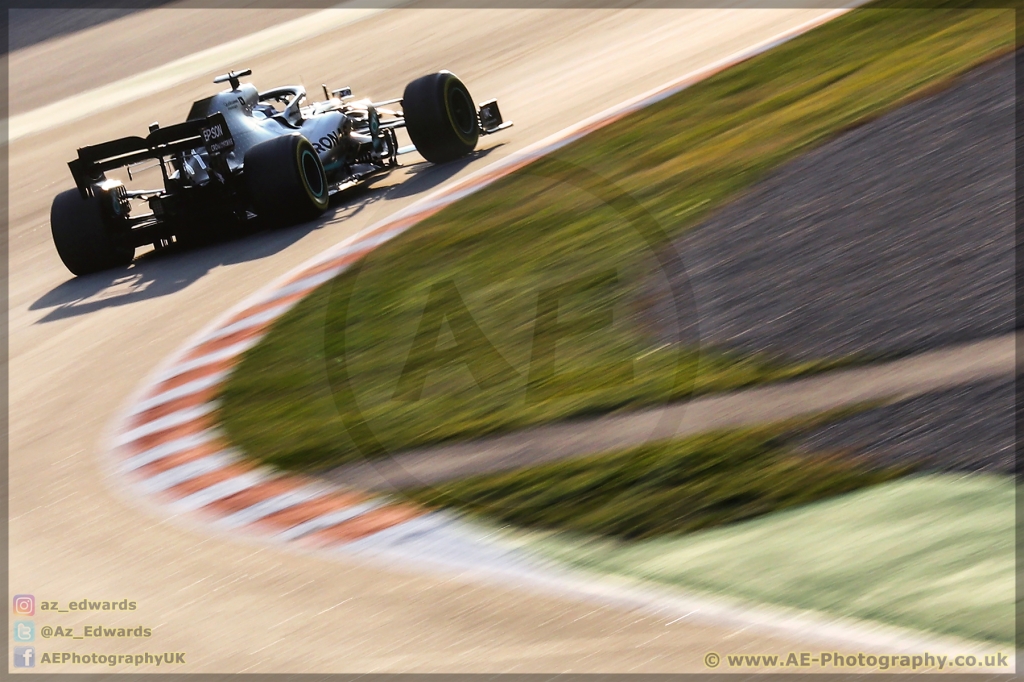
{"type": "Point", "coordinates": [24, 657]}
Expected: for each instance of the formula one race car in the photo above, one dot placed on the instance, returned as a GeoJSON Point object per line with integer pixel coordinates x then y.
{"type": "Point", "coordinates": [244, 155]}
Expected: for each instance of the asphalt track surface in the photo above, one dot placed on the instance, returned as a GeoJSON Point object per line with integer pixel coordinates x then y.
{"type": "Point", "coordinates": [31, 26]}
{"type": "Point", "coordinates": [79, 347]}
{"type": "Point", "coordinates": [130, 45]}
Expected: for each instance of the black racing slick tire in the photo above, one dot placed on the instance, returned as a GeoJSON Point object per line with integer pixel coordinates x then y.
{"type": "Point", "coordinates": [81, 236]}
{"type": "Point", "coordinates": [285, 180]}
{"type": "Point", "coordinates": [440, 117]}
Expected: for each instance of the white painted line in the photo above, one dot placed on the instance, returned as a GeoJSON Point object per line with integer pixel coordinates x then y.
{"type": "Point", "coordinates": [443, 540]}
{"type": "Point", "coordinates": [182, 391]}
{"type": "Point", "coordinates": [328, 520]}
{"type": "Point", "coordinates": [211, 61]}
{"type": "Point", "coordinates": [356, 245]}
{"type": "Point", "coordinates": [368, 243]}
{"type": "Point", "coordinates": [273, 505]}
{"type": "Point", "coordinates": [188, 471]}
{"type": "Point", "coordinates": [260, 318]}
{"type": "Point", "coordinates": [218, 491]}
{"type": "Point", "coordinates": [360, 243]}
{"type": "Point", "coordinates": [363, 245]}
{"type": "Point", "coordinates": [305, 284]}
{"type": "Point", "coordinates": [417, 527]}
{"type": "Point", "coordinates": [231, 351]}
{"type": "Point", "coordinates": [167, 449]}
{"type": "Point", "coordinates": [166, 422]}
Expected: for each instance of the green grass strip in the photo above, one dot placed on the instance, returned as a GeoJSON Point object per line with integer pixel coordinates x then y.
{"type": "Point", "coordinates": [354, 370]}
{"type": "Point", "coordinates": [930, 552]}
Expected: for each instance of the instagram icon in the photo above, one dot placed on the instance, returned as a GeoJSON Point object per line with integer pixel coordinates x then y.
{"type": "Point", "coordinates": [24, 605]}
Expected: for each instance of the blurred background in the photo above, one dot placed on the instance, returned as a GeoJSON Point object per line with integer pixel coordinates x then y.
{"type": "Point", "coordinates": [732, 372]}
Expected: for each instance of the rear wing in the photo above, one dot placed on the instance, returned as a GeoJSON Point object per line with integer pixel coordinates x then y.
{"type": "Point", "coordinates": [210, 132]}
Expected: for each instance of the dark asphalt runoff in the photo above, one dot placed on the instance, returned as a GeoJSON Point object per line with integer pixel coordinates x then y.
{"type": "Point", "coordinates": [895, 237]}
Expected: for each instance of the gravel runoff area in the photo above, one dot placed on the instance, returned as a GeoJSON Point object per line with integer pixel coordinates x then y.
{"type": "Point", "coordinates": [967, 428]}
{"type": "Point", "coordinates": [893, 238]}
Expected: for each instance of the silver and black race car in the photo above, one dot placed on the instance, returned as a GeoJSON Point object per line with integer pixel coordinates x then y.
{"type": "Point", "coordinates": [243, 155]}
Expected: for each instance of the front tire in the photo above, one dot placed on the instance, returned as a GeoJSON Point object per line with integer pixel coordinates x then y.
{"type": "Point", "coordinates": [285, 180]}
{"type": "Point", "coordinates": [80, 233]}
{"type": "Point", "coordinates": [440, 117]}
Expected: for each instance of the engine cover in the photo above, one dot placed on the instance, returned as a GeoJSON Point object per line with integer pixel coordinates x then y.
{"type": "Point", "coordinates": [329, 134]}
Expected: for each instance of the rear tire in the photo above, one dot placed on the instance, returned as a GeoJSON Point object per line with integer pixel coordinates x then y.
{"type": "Point", "coordinates": [80, 233]}
{"type": "Point", "coordinates": [440, 117]}
{"type": "Point", "coordinates": [286, 180]}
